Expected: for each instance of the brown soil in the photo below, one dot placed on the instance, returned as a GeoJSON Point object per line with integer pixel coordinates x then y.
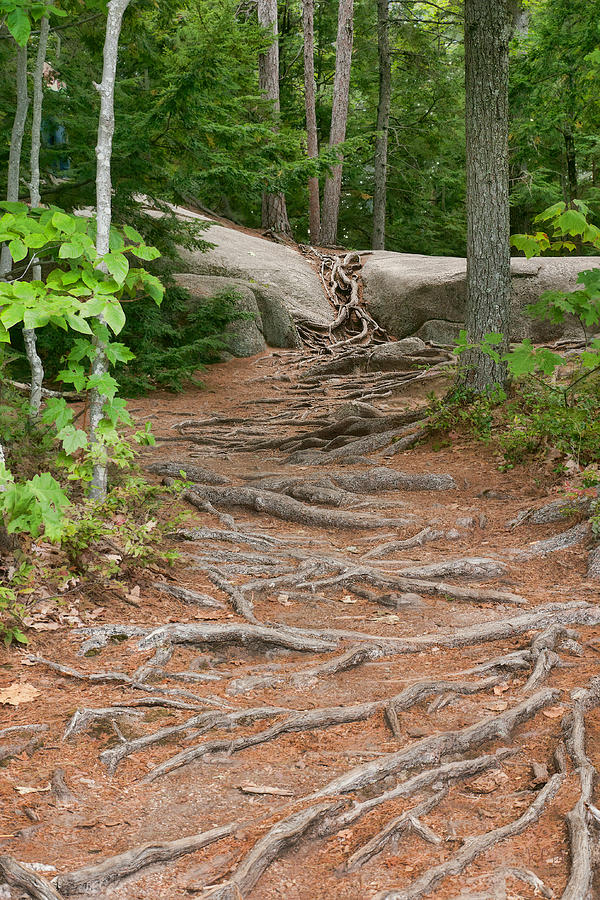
{"type": "Point", "coordinates": [112, 814]}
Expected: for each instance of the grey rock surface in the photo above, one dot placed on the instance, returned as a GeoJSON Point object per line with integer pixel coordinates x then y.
{"type": "Point", "coordinates": [271, 323]}
{"type": "Point", "coordinates": [425, 295]}
{"type": "Point", "coordinates": [277, 273]}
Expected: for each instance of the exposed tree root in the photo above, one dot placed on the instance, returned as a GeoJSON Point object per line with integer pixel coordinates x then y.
{"type": "Point", "coordinates": [283, 507]}
{"type": "Point", "coordinates": [187, 596]}
{"type": "Point", "coordinates": [475, 846]}
{"type": "Point", "coordinates": [19, 876]}
{"type": "Point", "coordinates": [430, 750]}
{"type": "Point", "coordinates": [578, 819]}
{"type": "Point", "coordinates": [198, 474]}
{"type": "Point", "coordinates": [232, 634]}
{"type": "Point", "coordinates": [561, 541]}
{"type": "Point", "coordinates": [308, 720]}
{"type": "Point", "coordinates": [281, 837]}
{"type": "Point", "coordinates": [115, 868]}
{"type": "Point", "coordinates": [198, 724]}
{"type": "Point", "coordinates": [408, 821]}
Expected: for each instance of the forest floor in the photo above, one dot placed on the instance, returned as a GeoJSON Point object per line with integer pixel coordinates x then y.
{"type": "Point", "coordinates": [321, 717]}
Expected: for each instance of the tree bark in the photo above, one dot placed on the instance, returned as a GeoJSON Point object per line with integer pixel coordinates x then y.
{"type": "Point", "coordinates": [487, 35]}
{"type": "Point", "coordinates": [16, 142]}
{"type": "Point", "coordinates": [37, 368]}
{"type": "Point", "coordinates": [274, 211]}
{"type": "Point", "coordinates": [312, 141]}
{"type": "Point", "coordinates": [106, 127]}
{"type": "Point", "coordinates": [383, 122]}
{"type": "Point", "coordinates": [339, 118]}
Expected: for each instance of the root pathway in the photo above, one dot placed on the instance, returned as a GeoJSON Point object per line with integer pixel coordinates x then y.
{"type": "Point", "coordinates": [373, 672]}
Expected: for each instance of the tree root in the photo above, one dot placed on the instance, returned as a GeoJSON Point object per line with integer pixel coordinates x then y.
{"type": "Point", "coordinates": [307, 720]}
{"type": "Point", "coordinates": [475, 846]}
{"type": "Point", "coordinates": [200, 725]}
{"type": "Point", "coordinates": [282, 507]}
{"type": "Point", "coordinates": [561, 541]}
{"type": "Point", "coordinates": [187, 596]}
{"type": "Point", "coordinates": [285, 834]}
{"type": "Point", "coordinates": [430, 750]}
{"type": "Point", "coordinates": [232, 634]}
{"type": "Point", "coordinates": [579, 885]}
{"type": "Point", "coordinates": [408, 821]}
{"type": "Point", "coordinates": [19, 876]}
{"type": "Point", "coordinates": [115, 868]}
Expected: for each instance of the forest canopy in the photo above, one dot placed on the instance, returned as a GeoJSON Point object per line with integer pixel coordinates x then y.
{"type": "Point", "coordinates": [193, 126]}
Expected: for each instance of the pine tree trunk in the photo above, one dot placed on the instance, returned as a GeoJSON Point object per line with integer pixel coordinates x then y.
{"type": "Point", "coordinates": [339, 118]}
{"type": "Point", "coordinates": [312, 142]}
{"type": "Point", "coordinates": [383, 122]}
{"type": "Point", "coordinates": [35, 363]}
{"type": "Point", "coordinates": [16, 142]}
{"type": "Point", "coordinates": [487, 35]}
{"type": "Point", "coordinates": [106, 128]}
{"type": "Point", "coordinates": [274, 211]}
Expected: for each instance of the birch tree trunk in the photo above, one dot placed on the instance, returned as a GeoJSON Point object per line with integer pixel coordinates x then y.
{"type": "Point", "coordinates": [312, 142]}
{"type": "Point", "coordinates": [487, 35]}
{"type": "Point", "coordinates": [16, 142]}
{"type": "Point", "coordinates": [14, 165]}
{"type": "Point", "coordinates": [274, 210]}
{"type": "Point", "coordinates": [37, 368]}
{"type": "Point", "coordinates": [106, 128]}
{"type": "Point", "coordinates": [339, 118]}
{"type": "Point", "coordinates": [383, 124]}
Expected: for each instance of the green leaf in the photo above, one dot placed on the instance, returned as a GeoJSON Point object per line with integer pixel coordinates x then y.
{"type": "Point", "coordinates": [69, 251]}
{"type": "Point", "coordinates": [18, 249]}
{"type": "Point", "coordinates": [114, 316]}
{"type": "Point", "coordinates": [572, 222]}
{"type": "Point", "coordinates": [132, 234]}
{"type": "Point", "coordinates": [117, 265]}
{"type": "Point", "coordinates": [144, 252]}
{"type": "Point", "coordinates": [527, 243]}
{"type": "Point", "coordinates": [64, 222]}
{"type": "Point", "coordinates": [105, 384]}
{"type": "Point", "coordinates": [118, 353]}
{"type": "Point", "coordinates": [153, 287]}
{"type": "Point", "coordinates": [72, 438]}
{"type": "Point", "coordinates": [19, 25]}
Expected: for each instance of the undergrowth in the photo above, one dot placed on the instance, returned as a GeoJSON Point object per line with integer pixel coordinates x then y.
{"type": "Point", "coordinates": [529, 422]}
{"type": "Point", "coordinates": [172, 342]}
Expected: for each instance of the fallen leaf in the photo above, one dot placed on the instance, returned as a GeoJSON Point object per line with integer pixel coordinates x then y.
{"type": "Point", "coordinates": [45, 626]}
{"type": "Point", "coordinates": [554, 712]}
{"type": "Point", "coordinates": [32, 790]}
{"type": "Point", "coordinates": [19, 692]}
{"type": "Point", "coordinates": [348, 599]}
{"type": "Point", "coordinates": [250, 788]}
{"type": "Point", "coordinates": [500, 688]}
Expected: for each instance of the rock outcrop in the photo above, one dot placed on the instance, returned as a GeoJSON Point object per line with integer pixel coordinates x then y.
{"type": "Point", "coordinates": [426, 295]}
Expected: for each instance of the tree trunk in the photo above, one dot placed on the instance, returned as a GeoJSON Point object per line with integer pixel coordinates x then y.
{"type": "Point", "coordinates": [106, 127]}
{"type": "Point", "coordinates": [16, 142]}
{"type": "Point", "coordinates": [383, 122]}
{"type": "Point", "coordinates": [339, 118]}
{"type": "Point", "coordinates": [274, 211]}
{"type": "Point", "coordinates": [487, 36]}
{"type": "Point", "coordinates": [37, 368]}
{"type": "Point", "coordinates": [312, 141]}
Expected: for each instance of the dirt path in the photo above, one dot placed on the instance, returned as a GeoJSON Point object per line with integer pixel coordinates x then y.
{"type": "Point", "coordinates": [363, 694]}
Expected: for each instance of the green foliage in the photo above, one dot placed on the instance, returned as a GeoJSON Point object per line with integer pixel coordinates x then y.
{"type": "Point", "coordinates": [176, 341]}
{"type": "Point", "coordinates": [128, 521]}
{"type": "Point", "coordinates": [461, 410]}
{"type": "Point", "coordinates": [32, 506]}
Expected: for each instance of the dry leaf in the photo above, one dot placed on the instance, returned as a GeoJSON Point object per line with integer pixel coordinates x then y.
{"type": "Point", "coordinates": [32, 790]}
{"type": "Point", "coordinates": [348, 599]}
{"type": "Point", "coordinates": [250, 788]}
{"type": "Point", "coordinates": [45, 626]}
{"type": "Point", "coordinates": [554, 712]}
{"type": "Point", "coordinates": [19, 692]}
{"type": "Point", "coordinates": [499, 689]}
